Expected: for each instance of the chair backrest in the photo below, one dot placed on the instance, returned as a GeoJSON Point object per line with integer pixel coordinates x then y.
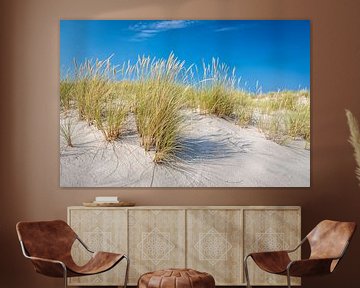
{"type": "Point", "coordinates": [46, 239]}
{"type": "Point", "coordinates": [329, 239]}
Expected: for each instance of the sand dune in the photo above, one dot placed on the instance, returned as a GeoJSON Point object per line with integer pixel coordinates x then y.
{"type": "Point", "coordinates": [218, 153]}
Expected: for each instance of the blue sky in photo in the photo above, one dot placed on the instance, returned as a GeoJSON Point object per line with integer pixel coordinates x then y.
{"type": "Point", "coordinates": [274, 53]}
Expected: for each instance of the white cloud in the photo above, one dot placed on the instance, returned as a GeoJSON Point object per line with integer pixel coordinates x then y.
{"type": "Point", "coordinates": [144, 31]}
{"type": "Point", "coordinates": [242, 26]}
{"type": "Point", "coordinates": [223, 29]}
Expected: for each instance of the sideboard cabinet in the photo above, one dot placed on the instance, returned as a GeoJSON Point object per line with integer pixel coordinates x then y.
{"type": "Point", "coordinates": [211, 239]}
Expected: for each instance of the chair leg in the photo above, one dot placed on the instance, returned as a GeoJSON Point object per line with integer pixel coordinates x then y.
{"type": "Point", "coordinates": [127, 271]}
{"type": "Point", "coordinates": [65, 276]}
{"type": "Point", "coordinates": [246, 270]}
{"type": "Point", "coordinates": [288, 278]}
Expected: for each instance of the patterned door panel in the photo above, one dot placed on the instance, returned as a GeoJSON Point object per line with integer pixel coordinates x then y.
{"type": "Point", "coordinates": [214, 241]}
{"type": "Point", "coordinates": [101, 230]}
{"type": "Point", "coordinates": [270, 230]}
{"type": "Point", "coordinates": [157, 241]}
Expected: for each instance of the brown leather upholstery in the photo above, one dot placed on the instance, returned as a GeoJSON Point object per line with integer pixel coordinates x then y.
{"type": "Point", "coordinates": [329, 238]}
{"type": "Point", "coordinates": [53, 240]}
{"type": "Point", "coordinates": [328, 242]}
{"type": "Point", "coordinates": [272, 262]}
{"type": "Point", "coordinates": [176, 278]}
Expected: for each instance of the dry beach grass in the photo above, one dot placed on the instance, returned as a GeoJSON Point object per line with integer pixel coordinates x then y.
{"type": "Point", "coordinates": [159, 96]}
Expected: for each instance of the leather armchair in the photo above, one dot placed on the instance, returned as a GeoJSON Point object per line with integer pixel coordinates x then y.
{"type": "Point", "coordinates": [48, 245]}
{"type": "Point", "coordinates": [328, 242]}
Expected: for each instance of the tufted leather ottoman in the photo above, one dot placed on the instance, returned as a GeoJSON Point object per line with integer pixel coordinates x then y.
{"type": "Point", "coordinates": [176, 278]}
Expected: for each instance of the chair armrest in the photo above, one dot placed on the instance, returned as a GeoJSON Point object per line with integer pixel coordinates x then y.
{"type": "Point", "coordinates": [48, 267]}
{"type": "Point", "coordinates": [309, 267]}
{"type": "Point", "coordinates": [83, 244]}
{"type": "Point", "coordinates": [298, 246]}
{"type": "Point", "coordinates": [268, 253]}
{"type": "Point", "coordinates": [45, 260]}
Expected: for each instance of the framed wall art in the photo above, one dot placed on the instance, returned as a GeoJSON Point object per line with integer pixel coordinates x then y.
{"type": "Point", "coordinates": [184, 103]}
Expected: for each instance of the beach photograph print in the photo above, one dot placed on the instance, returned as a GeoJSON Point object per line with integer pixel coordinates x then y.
{"type": "Point", "coordinates": [184, 103]}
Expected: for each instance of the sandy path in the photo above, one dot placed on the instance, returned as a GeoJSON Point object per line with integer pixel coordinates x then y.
{"type": "Point", "coordinates": [218, 154]}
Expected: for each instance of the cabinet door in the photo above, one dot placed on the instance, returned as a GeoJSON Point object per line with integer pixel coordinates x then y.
{"type": "Point", "coordinates": [271, 230]}
{"type": "Point", "coordinates": [214, 244]}
{"type": "Point", "coordinates": [100, 230]}
{"type": "Point", "coordinates": [156, 240]}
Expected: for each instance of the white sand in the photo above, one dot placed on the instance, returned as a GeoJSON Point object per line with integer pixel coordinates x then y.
{"type": "Point", "coordinates": [218, 154]}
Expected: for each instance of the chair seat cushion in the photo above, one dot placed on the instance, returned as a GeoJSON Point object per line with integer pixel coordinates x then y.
{"type": "Point", "coordinates": [176, 278]}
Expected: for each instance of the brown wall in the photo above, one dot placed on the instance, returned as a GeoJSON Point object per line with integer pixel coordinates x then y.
{"type": "Point", "coordinates": [29, 111]}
